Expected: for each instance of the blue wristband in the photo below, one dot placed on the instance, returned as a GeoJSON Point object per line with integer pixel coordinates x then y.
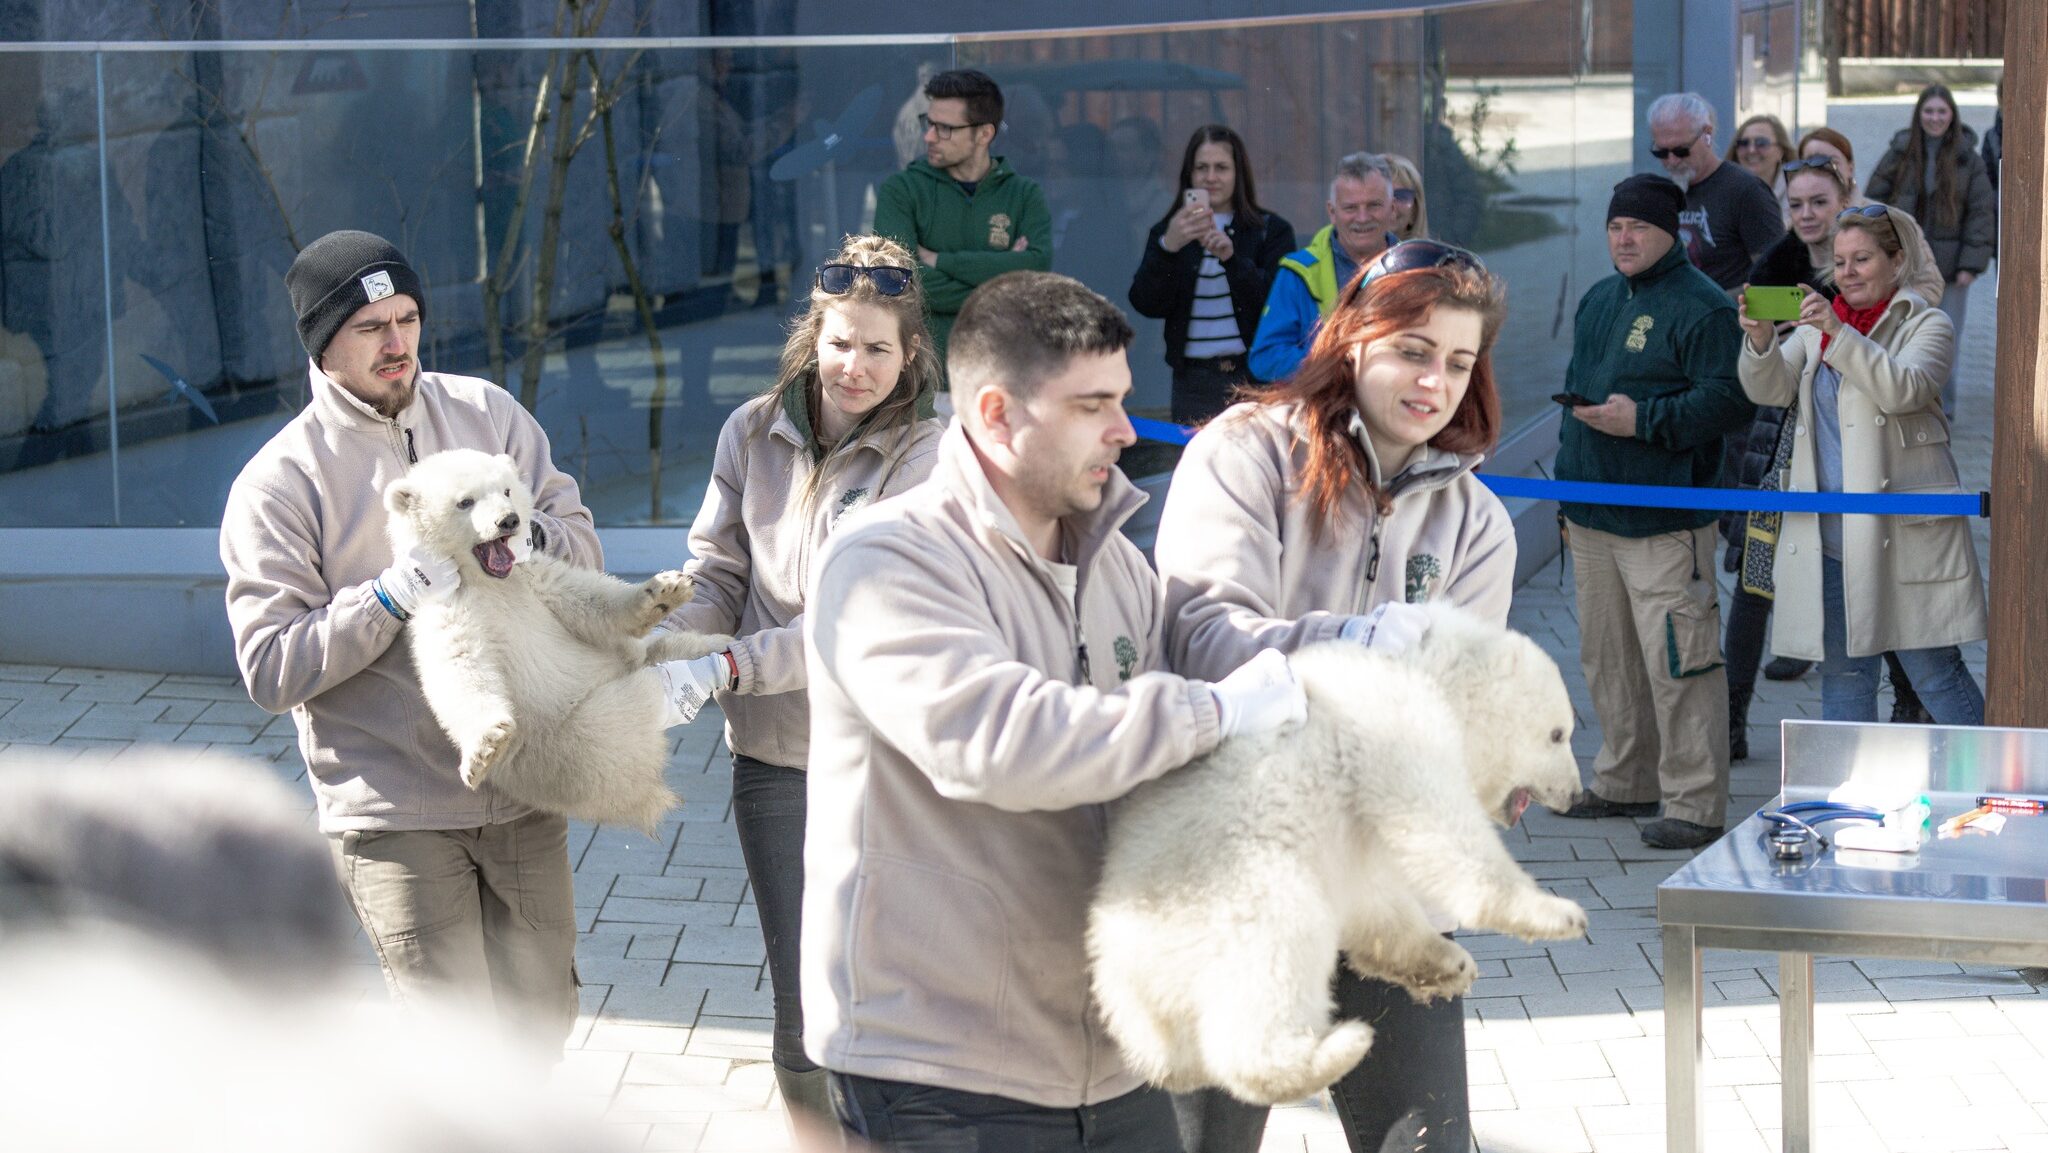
{"type": "Point", "coordinates": [384, 598]}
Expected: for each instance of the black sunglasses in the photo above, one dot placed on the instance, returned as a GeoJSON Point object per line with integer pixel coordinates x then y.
{"type": "Point", "coordinates": [1873, 211]}
{"type": "Point", "coordinates": [1410, 255]}
{"type": "Point", "coordinates": [1682, 151]}
{"type": "Point", "coordinates": [837, 279]}
{"type": "Point", "coordinates": [1820, 163]}
{"type": "Point", "coordinates": [1404, 196]}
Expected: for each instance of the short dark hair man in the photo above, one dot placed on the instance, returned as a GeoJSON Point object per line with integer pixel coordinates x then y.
{"type": "Point", "coordinates": [965, 213]}
{"type": "Point", "coordinates": [1655, 344]}
{"type": "Point", "coordinates": [1306, 286]}
{"type": "Point", "coordinates": [1731, 218]}
{"type": "Point", "coordinates": [465, 895]}
{"type": "Point", "coordinates": [986, 660]}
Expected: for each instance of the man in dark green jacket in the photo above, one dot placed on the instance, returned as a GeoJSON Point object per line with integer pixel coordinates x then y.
{"type": "Point", "coordinates": [968, 217]}
{"type": "Point", "coordinates": [1653, 352]}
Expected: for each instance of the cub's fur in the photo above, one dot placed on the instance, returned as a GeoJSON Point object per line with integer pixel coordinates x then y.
{"type": "Point", "coordinates": [1231, 885]}
{"type": "Point", "coordinates": [539, 670]}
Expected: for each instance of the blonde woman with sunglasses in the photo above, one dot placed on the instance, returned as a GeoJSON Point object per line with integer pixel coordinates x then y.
{"type": "Point", "coordinates": [848, 422]}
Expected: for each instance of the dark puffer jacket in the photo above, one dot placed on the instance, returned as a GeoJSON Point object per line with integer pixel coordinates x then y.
{"type": "Point", "coordinates": [1966, 245]}
{"type": "Point", "coordinates": [1164, 286]}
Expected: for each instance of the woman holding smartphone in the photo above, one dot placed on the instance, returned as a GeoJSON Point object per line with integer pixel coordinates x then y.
{"type": "Point", "coordinates": [1328, 507]}
{"type": "Point", "coordinates": [1863, 373]}
{"type": "Point", "coordinates": [1205, 272]}
{"type": "Point", "coordinates": [847, 422]}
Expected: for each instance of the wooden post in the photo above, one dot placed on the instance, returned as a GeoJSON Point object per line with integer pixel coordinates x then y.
{"type": "Point", "coordinates": [2017, 674]}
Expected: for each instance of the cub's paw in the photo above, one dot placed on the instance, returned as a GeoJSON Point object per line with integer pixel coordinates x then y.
{"type": "Point", "coordinates": [1444, 970]}
{"type": "Point", "coordinates": [664, 593]}
{"type": "Point", "coordinates": [477, 762]}
{"type": "Point", "coordinates": [1547, 918]}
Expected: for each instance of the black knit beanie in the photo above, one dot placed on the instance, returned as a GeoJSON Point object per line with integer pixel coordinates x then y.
{"type": "Point", "coordinates": [1650, 198]}
{"type": "Point", "coordinates": [340, 273]}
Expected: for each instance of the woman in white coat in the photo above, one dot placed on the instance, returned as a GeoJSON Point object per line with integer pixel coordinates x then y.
{"type": "Point", "coordinates": [1865, 372]}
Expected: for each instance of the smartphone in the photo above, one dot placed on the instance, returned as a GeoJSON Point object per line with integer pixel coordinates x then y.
{"type": "Point", "coordinates": [1572, 399]}
{"type": "Point", "coordinates": [1767, 302]}
{"type": "Point", "coordinates": [1194, 198]}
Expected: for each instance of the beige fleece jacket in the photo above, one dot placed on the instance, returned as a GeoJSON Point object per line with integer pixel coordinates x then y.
{"type": "Point", "coordinates": [1244, 569]}
{"type": "Point", "coordinates": [966, 728]}
{"type": "Point", "coordinates": [754, 542]}
{"type": "Point", "coordinates": [302, 538]}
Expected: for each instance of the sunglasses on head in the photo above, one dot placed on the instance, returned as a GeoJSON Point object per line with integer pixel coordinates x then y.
{"type": "Point", "coordinates": [1818, 163]}
{"type": "Point", "coordinates": [1410, 255]}
{"type": "Point", "coordinates": [1873, 211]}
{"type": "Point", "coordinates": [837, 279]}
{"type": "Point", "coordinates": [1682, 151]}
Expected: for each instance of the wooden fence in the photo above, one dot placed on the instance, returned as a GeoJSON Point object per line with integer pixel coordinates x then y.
{"type": "Point", "coordinates": [1942, 29]}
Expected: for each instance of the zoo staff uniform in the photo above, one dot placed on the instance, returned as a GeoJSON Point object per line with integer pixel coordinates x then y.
{"type": "Point", "coordinates": [971, 230]}
{"type": "Point", "coordinates": [301, 539]}
{"type": "Point", "coordinates": [754, 546]}
{"type": "Point", "coordinates": [1245, 570]}
{"type": "Point", "coordinates": [1649, 609]}
{"type": "Point", "coordinates": [969, 719]}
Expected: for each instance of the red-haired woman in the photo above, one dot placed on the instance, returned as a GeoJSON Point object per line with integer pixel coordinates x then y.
{"type": "Point", "coordinates": [1324, 508]}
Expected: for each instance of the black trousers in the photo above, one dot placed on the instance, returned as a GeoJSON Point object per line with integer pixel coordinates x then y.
{"type": "Point", "coordinates": [768, 809]}
{"type": "Point", "coordinates": [1201, 388]}
{"type": "Point", "coordinates": [909, 1118]}
{"type": "Point", "coordinates": [1407, 1096]}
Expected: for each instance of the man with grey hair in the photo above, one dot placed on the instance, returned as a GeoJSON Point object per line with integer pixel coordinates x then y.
{"type": "Point", "coordinates": [1731, 218]}
{"type": "Point", "coordinates": [987, 671]}
{"type": "Point", "coordinates": [1308, 283]}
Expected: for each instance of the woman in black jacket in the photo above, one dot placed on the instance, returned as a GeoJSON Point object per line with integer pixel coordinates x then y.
{"type": "Point", "coordinates": [1206, 269]}
{"type": "Point", "coordinates": [1933, 170]}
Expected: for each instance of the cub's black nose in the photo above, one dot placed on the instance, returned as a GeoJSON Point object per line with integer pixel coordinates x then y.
{"type": "Point", "coordinates": [509, 521]}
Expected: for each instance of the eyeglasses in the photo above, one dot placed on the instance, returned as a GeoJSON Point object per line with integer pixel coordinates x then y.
{"type": "Point", "coordinates": [837, 279]}
{"type": "Point", "coordinates": [1404, 196]}
{"type": "Point", "coordinates": [1410, 255]}
{"type": "Point", "coordinates": [1755, 143]}
{"type": "Point", "coordinates": [942, 130]}
{"type": "Point", "coordinates": [1682, 151]}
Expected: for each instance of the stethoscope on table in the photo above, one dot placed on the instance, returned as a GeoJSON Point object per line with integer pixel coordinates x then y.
{"type": "Point", "coordinates": [1796, 827]}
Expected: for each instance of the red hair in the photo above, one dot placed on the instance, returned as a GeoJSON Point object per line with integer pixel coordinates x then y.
{"type": "Point", "coordinates": [1326, 384]}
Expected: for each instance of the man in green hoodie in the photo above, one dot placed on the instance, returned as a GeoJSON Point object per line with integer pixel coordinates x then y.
{"type": "Point", "coordinates": [1653, 359]}
{"type": "Point", "coordinates": [968, 217]}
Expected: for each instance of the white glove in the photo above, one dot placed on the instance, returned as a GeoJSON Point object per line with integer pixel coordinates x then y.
{"type": "Point", "coordinates": [521, 545]}
{"type": "Point", "coordinates": [416, 577]}
{"type": "Point", "coordinates": [1392, 628]}
{"type": "Point", "coordinates": [1259, 697]}
{"type": "Point", "coordinates": [689, 684]}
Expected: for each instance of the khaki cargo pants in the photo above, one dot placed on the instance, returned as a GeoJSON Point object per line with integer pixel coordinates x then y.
{"type": "Point", "coordinates": [1650, 643]}
{"type": "Point", "coordinates": [477, 922]}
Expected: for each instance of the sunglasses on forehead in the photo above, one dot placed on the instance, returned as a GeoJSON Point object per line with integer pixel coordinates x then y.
{"type": "Point", "coordinates": [1817, 163]}
{"type": "Point", "coordinates": [837, 279]}
{"type": "Point", "coordinates": [1410, 255]}
{"type": "Point", "coordinates": [1871, 211]}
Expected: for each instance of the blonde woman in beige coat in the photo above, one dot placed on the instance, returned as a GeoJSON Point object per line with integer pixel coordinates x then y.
{"type": "Point", "coordinates": [847, 423]}
{"type": "Point", "coordinates": [1865, 373]}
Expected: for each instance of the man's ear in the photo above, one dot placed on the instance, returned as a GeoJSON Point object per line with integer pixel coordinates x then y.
{"type": "Point", "coordinates": [992, 410]}
{"type": "Point", "coordinates": [991, 139]}
{"type": "Point", "coordinates": [401, 497]}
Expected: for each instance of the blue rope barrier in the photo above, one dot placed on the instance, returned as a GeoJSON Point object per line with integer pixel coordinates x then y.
{"type": "Point", "coordinates": [1668, 496]}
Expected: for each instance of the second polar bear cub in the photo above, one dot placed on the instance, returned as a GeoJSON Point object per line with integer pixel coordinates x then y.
{"type": "Point", "coordinates": [540, 671]}
{"type": "Point", "coordinates": [1231, 885]}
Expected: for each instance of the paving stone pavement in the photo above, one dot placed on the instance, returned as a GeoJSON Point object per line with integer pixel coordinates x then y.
{"type": "Point", "coordinates": [1565, 1040]}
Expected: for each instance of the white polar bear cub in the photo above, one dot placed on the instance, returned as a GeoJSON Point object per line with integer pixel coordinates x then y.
{"type": "Point", "coordinates": [1230, 885]}
{"type": "Point", "coordinates": [539, 670]}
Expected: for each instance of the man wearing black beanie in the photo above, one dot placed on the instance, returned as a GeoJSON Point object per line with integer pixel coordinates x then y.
{"type": "Point", "coordinates": [465, 895]}
{"type": "Point", "coordinates": [1653, 359]}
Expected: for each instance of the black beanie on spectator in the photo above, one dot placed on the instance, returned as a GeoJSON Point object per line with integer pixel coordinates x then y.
{"type": "Point", "coordinates": [340, 273]}
{"type": "Point", "coordinates": [1650, 198]}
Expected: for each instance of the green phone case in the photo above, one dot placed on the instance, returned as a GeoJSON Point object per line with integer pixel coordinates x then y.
{"type": "Point", "coordinates": [1768, 302]}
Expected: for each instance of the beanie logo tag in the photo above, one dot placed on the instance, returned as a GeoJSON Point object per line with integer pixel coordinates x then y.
{"type": "Point", "coordinates": [377, 285]}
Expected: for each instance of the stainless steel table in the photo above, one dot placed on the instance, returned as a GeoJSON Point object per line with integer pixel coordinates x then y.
{"type": "Point", "coordinates": [1975, 899]}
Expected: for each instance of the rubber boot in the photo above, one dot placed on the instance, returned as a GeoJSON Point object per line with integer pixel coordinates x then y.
{"type": "Point", "coordinates": [808, 1097]}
